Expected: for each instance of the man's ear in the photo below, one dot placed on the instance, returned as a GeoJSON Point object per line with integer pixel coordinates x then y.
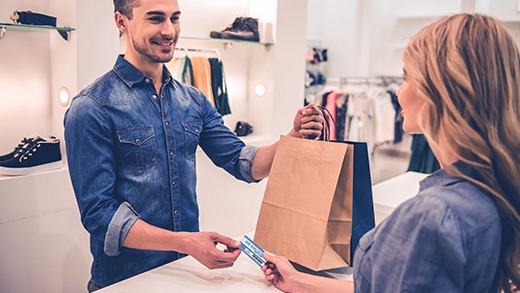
{"type": "Point", "coordinates": [121, 21]}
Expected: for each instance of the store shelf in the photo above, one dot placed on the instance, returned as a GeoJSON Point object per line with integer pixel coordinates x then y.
{"type": "Point", "coordinates": [20, 178]}
{"type": "Point", "coordinates": [227, 42]}
{"type": "Point", "coordinates": [63, 31]}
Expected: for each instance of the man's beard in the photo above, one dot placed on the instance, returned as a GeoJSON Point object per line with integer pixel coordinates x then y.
{"type": "Point", "coordinates": [155, 58]}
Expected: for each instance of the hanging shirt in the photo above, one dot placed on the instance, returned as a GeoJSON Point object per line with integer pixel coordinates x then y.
{"type": "Point", "coordinates": [341, 117]}
{"type": "Point", "coordinates": [175, 67]}
{"type": "Point", "coordinates": [181, 69]}
{"type": "Point", "coordinates": [202, 76]}
{"type": "Point", "coordinates": [331, 106]}
{"type": "Point", "coordinates": [219, 87]}
{"type": "Point", "coordinates": [398, 124]}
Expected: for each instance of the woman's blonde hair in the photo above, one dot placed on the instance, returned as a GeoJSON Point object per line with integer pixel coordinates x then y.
{"type": "Point", "coordinates": [467, 68]}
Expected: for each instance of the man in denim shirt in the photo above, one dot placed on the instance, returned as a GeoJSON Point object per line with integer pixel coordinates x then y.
{"type": "Point", "coordinates": [131, 141]}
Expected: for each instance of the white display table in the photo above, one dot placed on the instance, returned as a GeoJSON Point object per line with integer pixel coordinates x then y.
{"type": "Point", "coordinates": [187, 275]}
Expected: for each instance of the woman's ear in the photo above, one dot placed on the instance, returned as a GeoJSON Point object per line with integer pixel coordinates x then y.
{"type": "Point", "coordinates": [121, 21]}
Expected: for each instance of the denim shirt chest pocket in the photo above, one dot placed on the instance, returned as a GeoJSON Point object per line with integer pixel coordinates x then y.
{"type": "Point", "coordinates": [192, 130]}
{"type": "Point", "coordinates": [137, 149]}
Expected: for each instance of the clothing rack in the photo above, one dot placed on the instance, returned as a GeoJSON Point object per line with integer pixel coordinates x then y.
{"type": "Point", "coordinates": [377, 80]}
{"type": "Point", "coordinates": [364, 108]}
{"type": "Point", "coordinates": [205, 51]}
{"type": "Point", "coordinates": [204, 73]}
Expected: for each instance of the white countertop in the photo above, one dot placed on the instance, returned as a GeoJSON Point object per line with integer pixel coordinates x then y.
{"type": "Point", "coordinates": [391, 193]}
{"type": "Point", "coordinates": [189, 276]}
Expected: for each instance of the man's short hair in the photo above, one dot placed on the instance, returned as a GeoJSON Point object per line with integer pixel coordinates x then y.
{"type": "Point", "coordinates": [125, 7]}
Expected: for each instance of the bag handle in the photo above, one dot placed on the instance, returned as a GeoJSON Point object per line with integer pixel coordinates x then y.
{"type": "Point", "coordinates": [323, 112]}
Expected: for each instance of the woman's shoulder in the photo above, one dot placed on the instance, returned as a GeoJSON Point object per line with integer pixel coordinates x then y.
{"type": "Point", "coordinates": [443, 232]}
{"type": "Point", "coordinates": [457, 201]}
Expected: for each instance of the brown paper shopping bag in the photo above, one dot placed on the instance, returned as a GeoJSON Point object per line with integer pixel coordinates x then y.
{"type": "Point", "coordinates": [306, 213]}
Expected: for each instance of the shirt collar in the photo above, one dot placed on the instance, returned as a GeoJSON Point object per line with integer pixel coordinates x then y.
{"type": "Point", "coordinates": [441, 177]}
{"type": "Point", "coordinates": [131, 75]}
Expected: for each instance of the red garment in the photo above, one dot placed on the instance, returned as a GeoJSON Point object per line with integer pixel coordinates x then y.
{"type": "Point", "coordinates": [331, 106]}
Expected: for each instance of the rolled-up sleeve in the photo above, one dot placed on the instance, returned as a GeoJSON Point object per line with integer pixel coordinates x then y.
{"type": "Point", "coordinates": [118, 228]}
{"type": "Point", "coordinates": [247, 156]}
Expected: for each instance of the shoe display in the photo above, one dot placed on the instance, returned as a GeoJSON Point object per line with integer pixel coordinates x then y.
{"type": "Point", "coordinates": [243, 28]}
{"type": "Point", "coordinates": [17, 149]}
{"type": "Point", "coordinates": [31, 156]}
{"type": "Point", "coordinates": [247, 32]}
{"type": "Point", "coordinates": [235, 26]}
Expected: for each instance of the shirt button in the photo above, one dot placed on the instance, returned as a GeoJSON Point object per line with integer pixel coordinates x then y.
{"type": "Point", "coordinates": [176, 212]}
{"type": "Point", "coordinates": [154, 96]}
{"type": "Point", "coordinates": [173, 182]}
{"type": "Point", "coordinates": [167, 123]}
{"type": "Point", "coordinates": [147, 80]}
{"type": "Point", "coordinates": [137, 141]}
{"type": "Point", "coordinates": [171, 154]}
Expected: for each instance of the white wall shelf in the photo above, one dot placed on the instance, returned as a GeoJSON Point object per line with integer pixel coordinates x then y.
{"type": "Point", "coordinates": [228, 43]}
{"type": "Point", "coordinates": [63, 31]}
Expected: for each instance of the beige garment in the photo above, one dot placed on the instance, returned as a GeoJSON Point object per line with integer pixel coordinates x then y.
{"type": "Point", "coordinates": [202, 76]}
{"type": "Point", "coordinates": [175, 67]}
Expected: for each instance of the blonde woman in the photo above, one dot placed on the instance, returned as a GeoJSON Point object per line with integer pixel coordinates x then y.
{"type": "Point", "coordinates": [461, 233]}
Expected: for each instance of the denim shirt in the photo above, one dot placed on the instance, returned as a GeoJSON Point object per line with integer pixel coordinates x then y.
{"type": "Point", "coordinates": [131, 155]}
{"type": "Point", "coordinates": [445, 239]}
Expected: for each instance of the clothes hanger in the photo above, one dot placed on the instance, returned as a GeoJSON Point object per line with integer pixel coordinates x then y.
{"type": "Point", "coordinates": [216, 51]}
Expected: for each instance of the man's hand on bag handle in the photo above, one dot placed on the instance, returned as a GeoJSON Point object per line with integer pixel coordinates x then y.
{"type": "Point", "coordinates": [307, 123]}
{"type": "Point", "coordinates": [203, 247]}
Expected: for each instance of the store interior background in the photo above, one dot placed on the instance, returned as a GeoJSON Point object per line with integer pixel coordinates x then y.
{"type": "Point", "coordinates": [44, 247]}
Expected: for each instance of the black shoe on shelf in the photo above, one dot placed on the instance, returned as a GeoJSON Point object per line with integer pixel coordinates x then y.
{"type": "Point", "coordinates": [17, 149]}
{"type": "Point", "coordinates": [247, 32]}
{"type": "Point", "coordinates": [235, 26]}
{"type": "Point", "coordinates": [33, 155]}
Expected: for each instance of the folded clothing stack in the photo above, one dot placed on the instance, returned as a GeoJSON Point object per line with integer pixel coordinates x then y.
{"type": "Point", "coordinates": [32, 155]}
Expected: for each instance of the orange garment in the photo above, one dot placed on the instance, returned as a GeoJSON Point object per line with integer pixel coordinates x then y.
{"type": "Point", "coordinates": [202, 76]}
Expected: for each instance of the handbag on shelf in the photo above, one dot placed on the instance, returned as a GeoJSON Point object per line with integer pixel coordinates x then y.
{"type": "Point", "coordinates": [317, 203]}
